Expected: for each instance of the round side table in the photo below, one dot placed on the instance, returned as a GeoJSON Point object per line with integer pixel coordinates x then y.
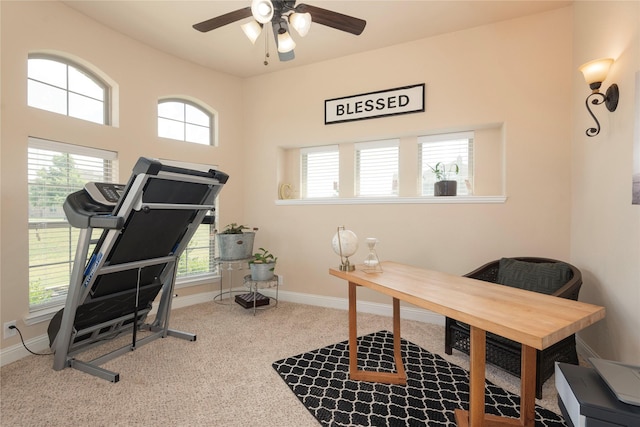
{"type": "Point", "coordinates": [229, 266]}
{"type": "Point", "coordinates": [255, 299]}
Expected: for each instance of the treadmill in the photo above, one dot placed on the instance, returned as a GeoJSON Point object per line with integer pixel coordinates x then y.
{"type": "Point", "coordinates": [145, 227]}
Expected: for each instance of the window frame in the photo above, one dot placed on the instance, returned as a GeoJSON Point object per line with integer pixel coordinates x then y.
{"type": "Point", "coordinates": [211, 115]}
{"type": "Point", "coordinates": [304, 171]}
{"type": "Point", "coordinates": [68, 63]}
{"type": "Point", "coordinates": [109, 174]}
{"type": "Point", "coordinates": [461, 178]}
{"type": "Point", "coordinates": [359, 147]}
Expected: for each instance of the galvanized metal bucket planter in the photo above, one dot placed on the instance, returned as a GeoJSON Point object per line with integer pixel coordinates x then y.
{"type": "Point", "coordinates": [261, 271]}
{"type": "Point", "coordinates": [235, 246]}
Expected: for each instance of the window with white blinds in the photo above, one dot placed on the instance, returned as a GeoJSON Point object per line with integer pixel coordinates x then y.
{"type": "Point", "coordinates": [449, 150]}
{"type": "Point", "coordinates": [55, 170]}
{"type": "Point", "coordinates": [377, 168]}
{"type": "Point", "coordinates": [320, 168]}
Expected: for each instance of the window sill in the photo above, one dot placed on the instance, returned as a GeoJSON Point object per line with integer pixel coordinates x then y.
{"type": "Point", "coordinates": [394, 200]}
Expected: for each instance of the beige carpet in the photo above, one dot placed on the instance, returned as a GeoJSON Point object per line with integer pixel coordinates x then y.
{"type": "Point", "coordinates": [224, 378]}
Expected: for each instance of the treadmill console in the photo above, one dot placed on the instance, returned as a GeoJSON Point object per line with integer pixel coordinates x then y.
{"type": "Point", "coordinates": [105, 193]}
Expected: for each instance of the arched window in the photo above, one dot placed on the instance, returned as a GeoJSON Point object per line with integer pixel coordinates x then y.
{"type": "Point", "coordinates": [58, 85]}
{"type": "Point", "coordinates": [185, 121]}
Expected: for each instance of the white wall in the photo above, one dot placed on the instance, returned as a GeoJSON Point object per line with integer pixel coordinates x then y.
{"type": "Point", "coordinates": [605, 226]}
{"type": "Point", "coordinates": [143, 75]}
{"type": "Point", "coordinates": [502, 73]}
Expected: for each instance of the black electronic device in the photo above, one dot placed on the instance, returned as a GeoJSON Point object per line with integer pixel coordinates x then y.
{"type": "Point", "coordinates": [586, 401]}
{"type": "Point", "coordinates": [105, 193]}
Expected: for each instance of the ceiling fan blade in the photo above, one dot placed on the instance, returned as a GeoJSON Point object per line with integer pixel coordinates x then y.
{"type": "Point", "coordinates": [286, 56]}
{"type": "Point", "coordinates": [222, 20]}
{"type": "Point", "coordinates": [333, 19]}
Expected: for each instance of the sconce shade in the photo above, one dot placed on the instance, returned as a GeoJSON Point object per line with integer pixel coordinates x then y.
{"type": "Point", "coordinates": [252, 30]}
{"type": "Point", "coordinates": [595, 72]}
{"type": "Point", "coordinates": [285, 42]}
{"type": "Point", "coordinates": [301, 22]}
{"type": "Point", "coordinates": [262, 10]}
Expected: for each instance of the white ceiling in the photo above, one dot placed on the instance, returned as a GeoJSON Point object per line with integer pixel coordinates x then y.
{"type": "Point", "coordinates": [167, 26]}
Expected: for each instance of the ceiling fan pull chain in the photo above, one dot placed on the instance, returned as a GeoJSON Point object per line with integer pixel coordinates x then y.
{"type": "Point", "coordinates": [266, 46]}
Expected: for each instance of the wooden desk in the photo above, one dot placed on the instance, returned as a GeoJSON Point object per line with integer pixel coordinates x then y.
{"type": "Point", "coordinates": [533, 319]}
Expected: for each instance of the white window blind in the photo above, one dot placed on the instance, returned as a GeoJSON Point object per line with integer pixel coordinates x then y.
{"type": "Point", "coordinates": [320, 168]}
{"type": "Point", "coordinates": [377, 168]}
{"type": "Point", "coordinates": [448, 149]}
{"type": "Point", "coordinates": [59, 86]}
{"type": "Point", "coordinates": [55, 170]}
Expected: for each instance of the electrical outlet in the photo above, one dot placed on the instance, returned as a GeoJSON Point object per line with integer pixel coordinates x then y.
{"type": "Point", "coordinates": [280, 280]}
{"type": "Point", "coordinates": [6, 332]}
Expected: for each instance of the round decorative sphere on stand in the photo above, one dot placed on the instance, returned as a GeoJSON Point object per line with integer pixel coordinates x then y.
{"type": "Point", "coordinates": [345, 244]}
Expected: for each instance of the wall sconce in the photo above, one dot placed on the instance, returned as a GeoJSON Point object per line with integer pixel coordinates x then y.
{"type": "Point", "coordinates": [595, 72]}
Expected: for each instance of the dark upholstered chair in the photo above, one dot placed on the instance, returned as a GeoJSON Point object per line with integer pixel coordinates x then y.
{"type": "Point", "coordinates": [535, 274]}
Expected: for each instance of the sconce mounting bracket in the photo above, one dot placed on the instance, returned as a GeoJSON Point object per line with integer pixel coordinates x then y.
{"type": "Point", "coordinates": [611, 97]}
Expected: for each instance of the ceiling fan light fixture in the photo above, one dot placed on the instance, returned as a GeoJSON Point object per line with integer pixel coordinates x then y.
{"type": "Point", "coordinates": [285, 42]}
{"type": "Point", "coordinates": [262, 10]}
{"type": "Point", "coordinates": [301, 22]}
{"type": "Point", "coordinates": [252, 30]}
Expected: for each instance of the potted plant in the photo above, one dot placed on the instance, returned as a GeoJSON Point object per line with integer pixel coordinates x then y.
{"type": "Point", "coordinates": [445, 186]}
{"type": "Point", "coordinates": [262, 265]}
{"type": "Point", "coordinates": [234, 243]}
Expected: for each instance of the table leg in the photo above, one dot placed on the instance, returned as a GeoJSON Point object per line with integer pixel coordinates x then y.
{"type": "Point", "coordinates": [528, 386]}
{"type": "Point", "coordinates": [398, 377]}
{"type": "Point", "coordinates": [477, 375]}
{"type": "Point", "coordinates": [477, 355]}
{"type": "Point", "coordinates": [353, 330]}
{"type": "Point", "coordinates": [397, 340]}
{"type": "Point", "coordinates": [475, 416]}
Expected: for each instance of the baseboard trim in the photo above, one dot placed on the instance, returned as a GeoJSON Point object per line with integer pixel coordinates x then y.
{"type": "Point", "coordinates": [40, 344]}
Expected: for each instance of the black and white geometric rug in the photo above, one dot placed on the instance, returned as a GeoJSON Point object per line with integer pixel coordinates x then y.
{"type": "Point", "coordinates": [434, 389]}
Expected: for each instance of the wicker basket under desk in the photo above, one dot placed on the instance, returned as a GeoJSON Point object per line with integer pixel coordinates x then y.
{"type": "Point", "coordinates": [505, 353]}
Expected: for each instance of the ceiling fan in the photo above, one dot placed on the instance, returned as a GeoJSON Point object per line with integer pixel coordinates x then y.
{"type": "Point", "coordinates": [282, 14]}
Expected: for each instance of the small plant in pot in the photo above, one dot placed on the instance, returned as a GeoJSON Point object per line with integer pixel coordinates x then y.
{"type": "Point", "coordinates": [234, 243]}
{"type": "Point", "coordinates": [445, 186]}
{"type": "Point", "coordinates": [262, 265]}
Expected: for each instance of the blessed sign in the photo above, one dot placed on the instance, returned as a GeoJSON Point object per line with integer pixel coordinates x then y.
{"type": "Point", "coordinates": [389, 102]}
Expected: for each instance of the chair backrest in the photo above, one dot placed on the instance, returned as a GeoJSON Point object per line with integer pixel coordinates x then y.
{"type": "Point", "coordinates": [490, 272]}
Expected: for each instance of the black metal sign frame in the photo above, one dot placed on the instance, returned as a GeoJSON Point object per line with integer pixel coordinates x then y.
{"type": "Point", "coordinates": [382, 103]}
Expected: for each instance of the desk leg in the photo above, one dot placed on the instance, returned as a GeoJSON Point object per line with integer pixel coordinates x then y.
{"type": "Point", "coordinates": [528, 386]}
{"type": "Point", "coordinates": [477, 376]}
{"type": "Point", "coordinates": [398, 377]}
{"type": "Point", "coordinates": [353, 330]}
{"type": "Point", "coordinates": [397, 341]}
{"type": "Point", "coordinates": [475, 416]}
{"type": "Point", "coordinates": [477, 361]}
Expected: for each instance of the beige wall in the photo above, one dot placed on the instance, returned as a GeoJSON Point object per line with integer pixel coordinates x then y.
{"type": "Point", "coordinates": [518, 74]}
{"type": "Point", "coordinates": [143, 75]}
{"type": "Point", "coordinates": [497, 74]}
{"type": "Point", "coordinates": [605, 226]}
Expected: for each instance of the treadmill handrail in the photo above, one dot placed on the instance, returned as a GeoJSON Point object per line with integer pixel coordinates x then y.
{"type": "Point", "coordinates": [113, 268]}
{"type": "Point", "coordinates": [175, 206]}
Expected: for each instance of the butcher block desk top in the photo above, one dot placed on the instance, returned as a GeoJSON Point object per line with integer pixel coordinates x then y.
{"type": "Point", "coordinates": [530, 318]}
